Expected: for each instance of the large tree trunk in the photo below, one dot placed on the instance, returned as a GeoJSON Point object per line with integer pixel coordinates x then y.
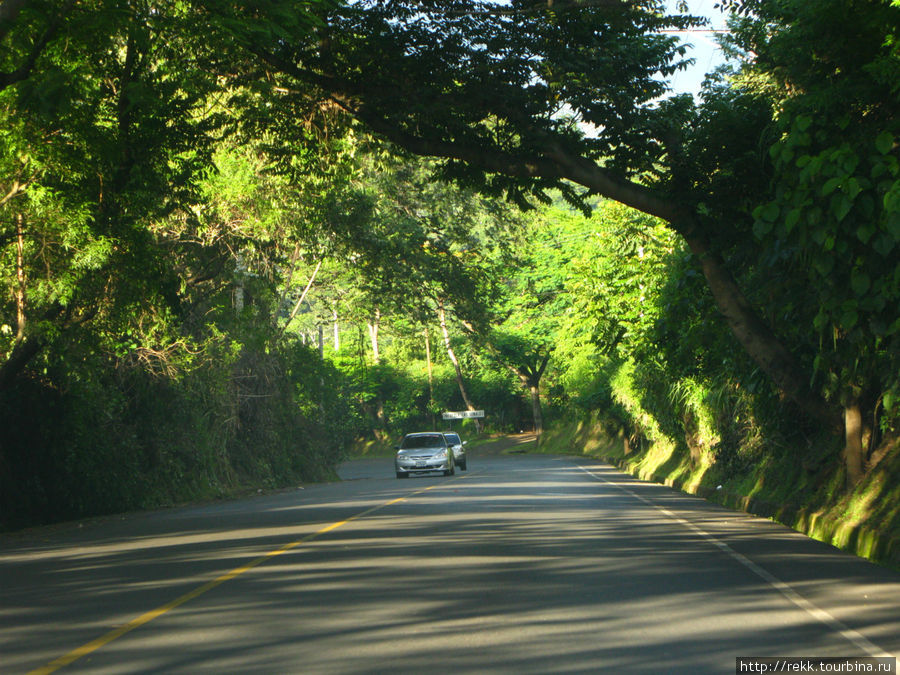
{"type": "Point", "coordinates": [373, 336]}
{"type": "Point", "coordinates": [430, 376]}
{"type": "Point", "coordinates": [336, 329]}
{"type": "Point", "coordinates": [757, 339]}
{"type": "Point", "coordinates": [854, 455]}
{"type": "Point", "coordinates": [450, 353]}
{"type": "Point", "coordinates": [20, 277]}
{"type": "Point", "coordinates": [530, 377]}
{"type": "Point", "coordinates": [536, 409]}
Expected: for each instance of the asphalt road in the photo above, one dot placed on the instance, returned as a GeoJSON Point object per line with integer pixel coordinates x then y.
{"type": "Point", "coordinates": [523, 564]}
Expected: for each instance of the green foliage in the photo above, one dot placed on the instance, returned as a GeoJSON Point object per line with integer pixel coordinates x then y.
{"type": "Point", "coordinates": [830, 231]}
{"type": "Point", "coordinates": [130, 216]}
{"type": "Point", "coordinates": [837, 215]}
{"type": "Point", "coordinates": [394, 397]}
{"type": "Point", "coordinates": [638, 345]}
{"type": "Point", "coordinates": [415, 244]}
{"type": "Point", "coordinates": [174, 176]}
{"type": "Point", "coordinates": [500, 81]}
{"type": "Point", "coordinates": [194, 421]}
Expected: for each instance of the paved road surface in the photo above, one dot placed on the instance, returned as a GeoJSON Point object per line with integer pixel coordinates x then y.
{"type": "Point", "coordinates": [523, 564]}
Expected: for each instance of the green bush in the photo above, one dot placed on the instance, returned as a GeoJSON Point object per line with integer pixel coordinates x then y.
{"type": "Point", "coordinates": [101, 433]}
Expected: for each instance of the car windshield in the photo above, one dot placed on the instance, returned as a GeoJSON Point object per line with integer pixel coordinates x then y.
{"type": "Point", "coordinates": [428, 441]}
{"type": "Point", "coordinates": [452, 439]}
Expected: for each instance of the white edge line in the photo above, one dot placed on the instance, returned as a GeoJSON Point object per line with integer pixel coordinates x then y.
{"type": "Point", "coordinates": [807, 606]}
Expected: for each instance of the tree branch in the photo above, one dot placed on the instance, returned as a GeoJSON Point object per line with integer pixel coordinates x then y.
{"type": "Point", "coordinates": [302, 298]}
{"type": "Point", "coordinates": [9, 11]}
{"type": "Point", "coordinates": [539, 7]}
{"type": "Point", "coordinates": [552, 161]}
{"type": "Point", "coordinates": [16, 189]}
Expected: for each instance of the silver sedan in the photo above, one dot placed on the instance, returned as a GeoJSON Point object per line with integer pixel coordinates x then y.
{"type": "Point", "coordinates": [458, 446]}
{"type": "Point", "coordinates": [424, 452]}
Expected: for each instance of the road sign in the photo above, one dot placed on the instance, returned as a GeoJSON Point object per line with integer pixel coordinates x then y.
{"type": "Point", "coordinates": [464, 415]}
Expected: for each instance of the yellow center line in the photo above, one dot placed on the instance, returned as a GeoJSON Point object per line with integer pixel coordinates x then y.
{"type": "Point", "coordinates": [147, 617]}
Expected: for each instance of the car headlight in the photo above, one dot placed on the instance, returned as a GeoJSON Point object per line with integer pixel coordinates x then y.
{"type": "Point", "coordinates": [440, 454]}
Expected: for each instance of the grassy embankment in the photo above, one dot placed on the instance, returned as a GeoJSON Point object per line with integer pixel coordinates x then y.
{"type": "Point", "coordinates": [864, 521]}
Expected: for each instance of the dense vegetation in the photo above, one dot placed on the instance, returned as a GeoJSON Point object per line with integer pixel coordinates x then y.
{"type": "Point", "coordinates": [237, 237]}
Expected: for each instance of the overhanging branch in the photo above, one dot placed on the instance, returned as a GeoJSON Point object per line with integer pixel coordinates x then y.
{"type": "Point", "coordinates": [552, 162]}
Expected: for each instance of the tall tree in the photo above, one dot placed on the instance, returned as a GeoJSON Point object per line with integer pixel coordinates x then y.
{"type": "Point", "coordinates": [829, 231]}
{"type": "Point", "coordinates": [502, 94]}
{"type": "Point", "coordinates": [104, 132]}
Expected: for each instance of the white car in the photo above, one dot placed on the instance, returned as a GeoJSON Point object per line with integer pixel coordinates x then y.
{"type": "Point", "coordinates": [458, 446]}
{"type": "Point", "coordinates": [424, 452]}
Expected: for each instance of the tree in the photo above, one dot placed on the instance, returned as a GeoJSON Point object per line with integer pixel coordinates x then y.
{"type": "Point", "coordinates": [111, 110]}
{"type": "Point", "coordinates": [399, 247]}
{"type": "Point", "coordinates": [117, 269]}
{"type": "Point", "coordinates": [577, 285]}
{"type": "Point", "coordinates": [527, 358]}
{"type": "Point", "coordinates": [34, 25]}
{"type": "Point", "coordinates": [499, 93]}
{"type": "Point", "coordinates": [525, 320]}
{"type": "Point", "coordinates": [425, 250]}
{"type": "Point", "coordinates": [829, 231]}
{"type": "Point", "coordinates": [103, 134]}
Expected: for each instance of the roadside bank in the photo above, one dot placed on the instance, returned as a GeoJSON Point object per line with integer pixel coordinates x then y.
{"type": "Point", "coordinates": [864, 521]}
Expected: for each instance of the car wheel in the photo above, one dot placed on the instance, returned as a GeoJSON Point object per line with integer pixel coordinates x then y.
{"type": "Point", "coordinates": [462, 465]}
{"type": "Point", "coordinates": [402, 474]}
{"type": "Point", "coordinates": [452, 470]}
